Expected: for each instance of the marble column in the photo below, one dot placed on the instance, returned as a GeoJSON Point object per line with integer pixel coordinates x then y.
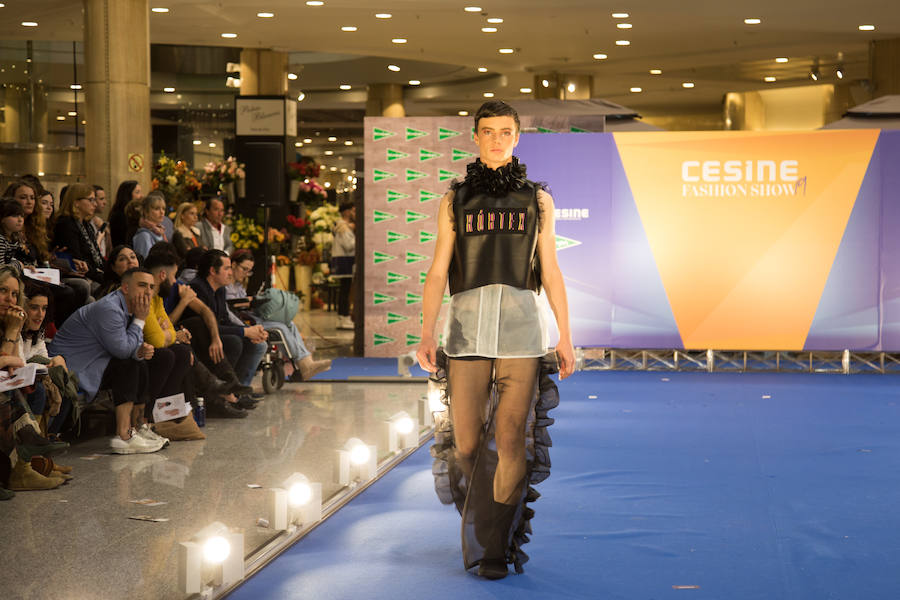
{"type": "Point", "coordinates": [385, 100]}
{"type": "Point", "coordinates": [263, 72]}
{"type": "Point", "coordinates": [884, 66]}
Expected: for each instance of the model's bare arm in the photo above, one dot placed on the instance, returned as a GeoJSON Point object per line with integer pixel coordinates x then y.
{"type": "Point", "coordinates": [436, 283]}
{"type": "Point", "coordinates": [552, 279]}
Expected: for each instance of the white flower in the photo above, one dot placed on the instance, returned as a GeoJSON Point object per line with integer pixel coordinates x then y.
{"type": "Point", "coordinates": [171, 180]}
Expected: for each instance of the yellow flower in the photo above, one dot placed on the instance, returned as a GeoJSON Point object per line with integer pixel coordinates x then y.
{"type": "Point", "coordinates": [234, 237]}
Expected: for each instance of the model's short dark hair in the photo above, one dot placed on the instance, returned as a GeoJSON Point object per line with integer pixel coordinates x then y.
{"type": "Point", "coordinates": [496, 108]}
{"type": "Point", "coordinates": [127, 275]}
{"type": "Point", "coordinates": [212, 259]}
{"type": "Point", "coordinates": [10, 207]}
{"type": "Point", "coordinates": [161, 257]}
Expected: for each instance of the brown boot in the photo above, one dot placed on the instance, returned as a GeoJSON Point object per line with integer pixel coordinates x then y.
{"type": "Point", "coordinates": [23, 478]}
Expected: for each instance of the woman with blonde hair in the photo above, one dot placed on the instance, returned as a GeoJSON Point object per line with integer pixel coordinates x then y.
{"type": "Point", "coordinates": [186, 235]}
{"type": "Point", "coordinates": [153, 209]}
{"type": "Point", "coordinates": [73, 233]}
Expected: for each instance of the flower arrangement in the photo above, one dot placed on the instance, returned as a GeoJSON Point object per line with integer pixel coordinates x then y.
{"type": "Point", "coordinates": [245, 233]}
{"type": "Point", "coordinates": [297, 226]}
{"type": "Point", "coordinates": [276, 239]}
{"type": "Point", "coordinates": [218, 174]}
{"type": "Point", "coordinates": [174, 178]}
{"type": "Point", "coordinates": [323, 220]}
{"type": "Point", "coordinates": [311, 194]}
{"type": "Point", "coordinates": [307, 257]}
{"type": "Point", "coordinates": [303, 169]}
{"type": "Point", "coordinates": [282, 260]}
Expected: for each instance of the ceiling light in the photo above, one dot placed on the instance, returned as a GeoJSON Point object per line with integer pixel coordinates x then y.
{"type": "Point", "coordinates": [328, 184]}
{"type": "Point", "coordinates": [463, 113]}
{"type": "Point", "coordinates": [839, 72]}
{"type": "Point", "coordinates": [861, 27]}
{"type": "Point", "coordinates": [329, 152]}
{"type": "Point", "coordinates": [472, 9]}
{"type": "Point", "coordinates": [298, 144]}
{"type": "Point", "coordinates": [314, 2]}
{"type": "Point", "coordinates": [623, 43]}
{"type": "Point", "coordinates": [687, 84]}
{"type": "Point", "coordinates": [383, 15]}
{"type": "Point", "coordinates": [301, 97]}
{"type": "Point", "coordinates": [292, 76]}
{"type": "Point", "coordinates": [332, 168]}
{"type": "Point", "coordinates": [75, 86]}
{"type": "Point", "coordinates": [781, 59]}
{"type": "Point", "coordinates": [505, 50]}
{"type": "Point", "coordinates": [265, 15]}
{"type": "Point", "coordinates": [600, 56]}
{"type": "Point", "coordinates": [814, 73]}
{"type": "Point", "coordinates": [488, 94]}
{"type": "Point", "coordinates": [482, 69]}
{"type": "Point", "coordinates": [393, 68]}
{"type": "Point", "coordinates": [331, 138]}
{"type": "Point", "coordinates": [29, 24]}
{"type": "Point", "coordinates": [415, 82]}
{"type": "Point", "coordinates": [620, 15]}
{"type": "Point", "coordinates": [72, 113]}
{"type": "Point", "coordinates": [525, 90]}
{"type": "Point", "coordinates": [168, 90]}
{"type": "Point", "coordinates": [752, 21]}
{"type": "Point", "coordinates": [344, 170]}
{"type": "Point", "coordinates": [545, 83]}
{"type": "Point", "coordinates": [571, 87]}
{"type": "Point", "coordinates": [197, 142]}
{"type": "Point", "coordinates": [159, 9]}
{"type": "Point", "coordinates": [399, 40]}
{"type": "Point", "coordinates": [769, 79]}
{"type": "Point", "coordinates": [229, 35]}
{"type": "Point", "coordinates": [349, 28]}
{"type": "Point", "coordinates": [636, 90]}
{"type": "Point", "coordinates": [345, 86]}
{"type": "Point", "coordinates": [495, 20]}
{"type": "Point", "coordinates": [656, 71]}
{"type": "Point", "coordinates": [307, 140]}
{"type": "Point", "coordinates": [60, 118]}
{"type": "Point", "coordinates": [489, 29]}
{"type": "Point", "coordinates": [623, 25]}
{"type": "Point", "coordinates": [348, 143]}
{"type": "Point", "coordinates": [212, 144]}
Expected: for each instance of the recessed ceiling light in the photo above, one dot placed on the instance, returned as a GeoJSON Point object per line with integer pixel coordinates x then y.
{"type": "Point", "coordinates": [348, 142]}
{"type": "Point", "coordinates": [72, 113]}
{"type": "Point", "coordinates": [332, 168]}
{"type": "Point", "coordinates": [463, 113]}
{"type": "Point", "coordinates": [159, 9]}
{"type": "Point", "coordinates": [301, 97]}
{"type": "Point", "coordinates": [229, 35]}
{"type": "Point", "coordinates": [331, 138]}
{"type": "Point", "coordinates": [383, 15]}
{"type": "Point", "coordinates": [769, 79]}
{"type": "Point", "coordinates": [525, 90]}
{"type": "Point", "coordinates": [168, 90]}
{"type": "Point", "coordinates": [399, 40]}
{"type": "Point", "coordinates": [839, 72]}
{"type": "Point", "coordinates": [505, 50]}
{"type": "Point", "coordinates": [636, 90]}
{"type": "Point", "coordinates": [861, 27]}
{"type": "Point", "coordinates": [329, 153]}
{"type": "Point", "coordinates": [415, 82]}
{"type": "Point", "coordinates": [393, 68]}
{"type": "Point", "coordinates": [488, 94]}
{"type": "Point", "coordinates": [292, 76]}
{"type": "Point", "coordinates": [472, 9]}
{"type": "Point", "coordinates": [495, 20]}
{"type": "Point", "coordinates": [344, 170]}
{"type": "Point", "coordinates": [545, 83]}
{"type": "Point", "coordinates": [314, 2]}
{"type": "Point", "coordinates": [197, 142]}
{"type": "Point", "coordinates": [298, 144]}
{"type": "Point", "coordinates": [489, 29]}
{"type": "Point", "coordinates": [349, 28]}
{"type": "Point", "coordinates": [265, 15]}
{"type": "Point", "coordinates": [656, 71]}
{"type": "Point", "coordinates": [29, 24]}
{"type": "Point", "coordinates": [600, 56]}
{"type": "Point", "coordinates": [623, 43]}
{"type": "Point", "coordinates": [212, 144]}
{"type": "Point", "coordinates": [75, 86]}
{"type": "Point", "coordinates": [623, 25]}
{"type": "Point", "coordinates": [345, 86]}
{"type": "Point", "coordinates": [752, 21]}
{"type": "Point", "coordinates": [781, 59]}
{"type": "Point", "coordinates": [687, 84]}
{"type": "Point", "coordinates": [482, 69]}
{"type": "Point", "coordinates": [307, 140]}
{"type": "Point", "coordinates": [60, 118]}
{"type": "Point", "coordinates": [570, 87]}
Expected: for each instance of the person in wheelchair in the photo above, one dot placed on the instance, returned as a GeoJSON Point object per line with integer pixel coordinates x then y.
{"type": "Point", "coordinates": [305, 367]}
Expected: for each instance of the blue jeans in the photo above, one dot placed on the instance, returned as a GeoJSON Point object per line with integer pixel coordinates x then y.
{"type": "Point", "coordinates": [244, 355]}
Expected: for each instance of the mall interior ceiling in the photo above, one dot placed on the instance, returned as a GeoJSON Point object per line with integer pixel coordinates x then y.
{"type": "Point", "coordinates": [663, 59]}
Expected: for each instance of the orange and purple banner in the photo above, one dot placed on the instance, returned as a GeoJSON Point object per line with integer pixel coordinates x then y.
{"type": "Point", "coordinates": [727, 240]}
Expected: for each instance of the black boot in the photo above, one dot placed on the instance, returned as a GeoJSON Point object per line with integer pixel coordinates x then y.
{"type": "Point", "coordinates": [493, 565]}
{"type": "Point", "coordinates": [225, 372]}
{"type": "Point", "coordinates": [31, 443]}
{"type": "Point", "coordinates": [207, 383]}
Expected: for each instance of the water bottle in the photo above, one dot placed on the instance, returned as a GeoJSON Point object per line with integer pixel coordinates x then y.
{"type": "Point", "coordinates": [200, 415]}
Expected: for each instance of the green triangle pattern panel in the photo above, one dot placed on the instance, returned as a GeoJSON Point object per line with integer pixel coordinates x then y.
{"type": "Point", "coordinates": [410, 164]}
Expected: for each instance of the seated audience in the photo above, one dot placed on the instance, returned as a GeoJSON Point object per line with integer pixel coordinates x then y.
{"type": "Point", "coordinates": [73, 234]}
{"type": "Point", "coordinates": [214, 233]}
{"type": "Point", "coordinates": [118, 222]}
{"type": "Point", "coordinates": [186, 235]}
{"type": "Point", "coordinates": [121, 258]}
{"type": "Point", "coordinates": [101, 227]}
{"type": "Point", "coordinates": [153, 209]}
{"type": "Point", "coordinates": [304, 365]}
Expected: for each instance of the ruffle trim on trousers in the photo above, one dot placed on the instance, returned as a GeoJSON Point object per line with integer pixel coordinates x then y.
{"type": "Point", "coordinates": [454, 487]}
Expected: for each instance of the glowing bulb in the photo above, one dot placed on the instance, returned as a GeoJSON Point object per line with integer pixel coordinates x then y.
{"type": "Point", "coordinates": [345, 86]}
{"type": "Point", "coordinates": [383, 15]}
{"type": "Point", "coordinates": [506, 50]}
{"type": "Point", "coordinates": [636, 90]}
{"type": "Point", "coordinates": [623, 43]}
{"type": "Point", "coordinates": [571, 87]}
{"type": "Point", "coordinates": [545, 83]}
{"type": "Point", "coordinates": [623, 25]}
{"type": "Point", "coordinates": [359, 453]}
{"type": "Point", "coordinates": [399, 40]}
{"type": "Point", "coordinates": [781, 59]}
{"type": "Point", "coordinates": [600, 56]}
{"type": "Point", "coordinates": [229, 35]}
{"type": "Point", "coordinates": [393, 68]}
{"type": "Point", "coordinates": [415, 82]}
{"type": "Point", "coordinates": [488, 94]}
{"type": "Point", "coordinates": [168, 90]}
{"type": "Point", "coordinates": [463, 113]}
{"type": "Point", "coordinates": [656, 71]}
{"type": "Point", "coordinates": [331, 138]}
{"type": "Point", "coordinates": [299, 494]}
{"type": "Point", "coordinates": [687, 84]}
{"type": "Point", "coordinates": [482, 69]}
{"type": "Point", "coordinates": [216, 549]}
{"type": "Point", "coordinates": [525, 90]}
{"type": "Point", "coordinates": [769, 79]}
{"type": "Point", "coordinates": [265, 15]}
{"type": "Point", "coordinates": [404, 425]}
{"type": "Point", "coordinates": [472, 9]}
{"type": "Point", "coordinates": [292, 76]}
{"type": "Point", "coordinates": [349, 28]}
{"type": "Point", "coordinates": [861, 27]}
{"type": "Point", "coordinates": [620, 15]}
{"type": "Point", "coordinates": [197, 142]}
{"type": "Point", "coordinates": [159, 9]}
{"type": "Point", "coordinates": [489, 29]}
{"type": "Point", "coordinates": [301, 97]}
{"type": "Point", "coordinates": [495, 20]}
{"type": "Point", "coordinates": [752, 21]}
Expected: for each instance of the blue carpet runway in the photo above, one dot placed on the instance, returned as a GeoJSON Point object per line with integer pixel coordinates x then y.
{"type": "Point", "coordinates": [666, 485]}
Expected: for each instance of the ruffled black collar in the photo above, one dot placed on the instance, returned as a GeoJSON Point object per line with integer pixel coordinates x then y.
{"type": "Point", "coordinates": [496, 182]}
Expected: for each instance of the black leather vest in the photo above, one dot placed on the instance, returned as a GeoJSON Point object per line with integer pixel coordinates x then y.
{"type": "Point", "coordinates": [496, 239]}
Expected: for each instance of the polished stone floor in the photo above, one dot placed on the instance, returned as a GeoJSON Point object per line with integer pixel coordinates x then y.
{"type": "Point", "coordinates": [79, 542]}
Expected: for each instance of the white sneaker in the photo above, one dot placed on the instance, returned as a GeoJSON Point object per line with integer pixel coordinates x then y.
{"type": "Point", "coordinates": [345, 323]}
{"type": "Point", "coordinates": [133, 445]}
{"type": "Point", "coordinates": [147, 433]}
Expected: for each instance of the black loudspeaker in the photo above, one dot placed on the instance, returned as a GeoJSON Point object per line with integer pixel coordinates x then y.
{"type": "Point", "coordinates": [265, 173]}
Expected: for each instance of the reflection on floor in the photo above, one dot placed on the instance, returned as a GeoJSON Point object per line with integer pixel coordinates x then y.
{"type": "Point", "coordinates": [78, 540]}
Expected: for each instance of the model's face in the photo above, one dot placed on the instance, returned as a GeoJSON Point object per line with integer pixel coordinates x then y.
{"type": "Point", "coordinates": [496, 139]}
{"type": "Point", "coordinates": [12, 224]}
{"type": "Point", "coordinates": [35, 311]}
{"type": "Point", "coordinates": [25, 197]}
{"type": "Point", "coordinates": [215, 212]}
{"type": "Point", "coordinates": [126, 259]}
{"type": "Point", "coordinates": [47, 206]}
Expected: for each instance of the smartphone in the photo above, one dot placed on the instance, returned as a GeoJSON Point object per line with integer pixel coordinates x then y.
{"type": "Point", "coordinates": [103, 227]}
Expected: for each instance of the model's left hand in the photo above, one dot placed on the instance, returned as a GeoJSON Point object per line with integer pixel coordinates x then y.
{"type": "Point", "coordinates": [565, 354]}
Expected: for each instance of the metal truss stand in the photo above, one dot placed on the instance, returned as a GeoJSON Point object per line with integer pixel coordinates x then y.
{"type": "Point", "coordinates": [712, 361]}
